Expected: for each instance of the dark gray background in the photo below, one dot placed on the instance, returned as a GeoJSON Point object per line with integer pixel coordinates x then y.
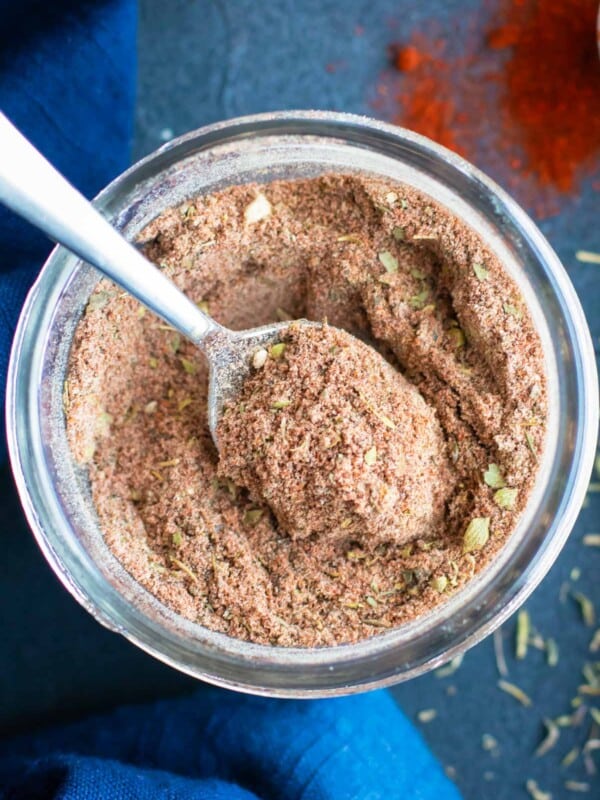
{"type": "Point", "coordinates": [200, 61]}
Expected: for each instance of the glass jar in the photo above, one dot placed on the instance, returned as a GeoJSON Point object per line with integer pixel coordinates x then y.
{"type": "Point", "coordinates": [55, 492]}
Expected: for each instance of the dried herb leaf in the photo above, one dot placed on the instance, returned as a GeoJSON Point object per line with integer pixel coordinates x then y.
{"type": "Point", "coordinates": [417, 301]}
{"type": "Point", "coordinates": [571, 757]}
{"type": "Point", "coordinates": [370, 456]}
{"type": "Point", "coordinates": [552, 653]}
{"type": "Point", "coordinates": [515, 692]}
{"type": "Point", "coordinates": [592, 540]}
{"type": "Point", "coordinates": [505, 498]}
{"type": "Point", "coordinates": [98, 300]}
{"type": "Point", "coordinates": [595, 643]}
{"type": "Point", "coordinates": [177, 539]}
{"type": "Point", "coordinates": [476, 534]}
{"type": "Point", "coordinates": [259, 359]}
{"type": "Point", "coordinates": [277, 350]}
{"type": "Point", "coordinates": [522, 634]}
{"type": "Point", "coordinates": [389, 261]}
{"type": "Point", "coordinates": [530, 444]}
{"type": "Point", "coordinates": [153, 362]}
{"type": "Point", "coordinates": [481, 272]}
{"type": "Point", "coordinates": [493, 477]}
{"type": "Point", "coordinates": [188, 366]}
{"type": "Point", "coordinates": [457, 337]}
{"type": "Point", "coordinates": [398, 233]}
{"type": "Point", "coordinates": [512, 311]}
{"type": "Point", "coordinates": [279, 404]}
{"type": "Point", "coordinates": [252, 516]}
{"type": "Point", "coordinates": [203, 306]}
{"type": "Point", "coordinates": [440, 583]}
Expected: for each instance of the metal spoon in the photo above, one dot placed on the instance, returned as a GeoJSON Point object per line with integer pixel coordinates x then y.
{"type": "Point", "coordinates": [31, 187]}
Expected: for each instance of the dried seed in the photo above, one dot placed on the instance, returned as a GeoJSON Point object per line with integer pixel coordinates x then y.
{"type": "Point", "coordinates": [515, 692]}
{"type": "Point", "coordinates": [450, 668]}
{"type": "Point", "coordinates": [501, 665]}
{"type": "Point", "coordinates": [489, 742]}
{"type": "Point", "coordinates": [522, 634]}
{"type": "Point", "coordinates": [570, 758]}
{"type": "Point", "coordinates": [595, 643]}
{"type": "Point", "coordinates": [427, 715]}
{"type": "Point", "coordinates": [577, 786]}
{"type": "Point", "coordinates": [150, 408]}
{"type": "Point", "coordinates": [588, 611]}
{"type": "Point", "coordinates": [550, 740]}
{"type": "Point", "coordinates": [259, 359]}
{"type": "Point", "coordinates": [279, 404]}
{"type": "Point", "coordinates": [592, 540]}
{"type": "Point", "coordinates": [535, 791]}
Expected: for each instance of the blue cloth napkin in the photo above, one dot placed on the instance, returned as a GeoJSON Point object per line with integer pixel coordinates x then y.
{"type": "Point", "coordinates": [217, 744]}
{"type": "Point", "coordinates": [67, 78]}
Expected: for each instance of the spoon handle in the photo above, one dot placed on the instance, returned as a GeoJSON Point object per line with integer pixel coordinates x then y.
{"type": "Point", "coordinates": [32, 188]}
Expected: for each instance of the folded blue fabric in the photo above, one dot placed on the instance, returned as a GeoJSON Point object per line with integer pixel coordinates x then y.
{"type": "Point", "coordinates": [217, 744]}
{"type": "Point", "coordinates": [67, 80]}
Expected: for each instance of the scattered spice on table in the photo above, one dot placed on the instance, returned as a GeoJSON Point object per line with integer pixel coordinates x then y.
{"type": "Point", "coordinates": [514, 87]}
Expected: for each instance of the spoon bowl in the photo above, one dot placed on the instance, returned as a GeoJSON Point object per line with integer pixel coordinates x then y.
{"type": "Point", "coordinates": [31, 187]}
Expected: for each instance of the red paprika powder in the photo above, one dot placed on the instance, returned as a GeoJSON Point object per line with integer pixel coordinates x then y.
{"type": "Point", "coordinates": [516, 89]}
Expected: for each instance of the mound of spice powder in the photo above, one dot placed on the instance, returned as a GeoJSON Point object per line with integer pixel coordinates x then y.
{"type": "Point", "coordinates": [336, 441]}
{"type": "Point", "coordinates": [389, 265]}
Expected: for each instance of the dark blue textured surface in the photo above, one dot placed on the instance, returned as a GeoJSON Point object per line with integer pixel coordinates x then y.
{"type": "Point", "coordinates": [201, 61]}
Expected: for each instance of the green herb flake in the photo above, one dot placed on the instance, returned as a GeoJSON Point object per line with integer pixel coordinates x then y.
{"type": "Point", "coordinates": [389, 261]}
{"type": "Point", "coordinates": [535, 791]}
{"type": "Point", "coordinates": [476, 535]}
{"type": "Point", "coordinates": [595, 715]}
{"type": "Point", "coordinates": [571, 757]}
{"type": "Point", "coordinates": [370, 456]}
{"type": "Point", "coordinates": [550, 739]}
{"type": "Point", "coordinates": [592, 540]}
{"type": "Point", "coordinates": [252, 516]}
{"type": "Point", "coordinates": [588, 612]}
{"type": "Point", "coordinates": [552, 652]}
{"type": "Point", "coordinates": [523, 631]}
{"type": "Point", "coordinates": [98, 300]}
{"type": "Point", "coordinates": [516, 692]}
{"type": "Point", "coordinates": [595, 643]}
{"type": "Point", "coordinates": [399, 233]}
{"type": "Point", "coordinates": [427, 715]}
{"type": "Point", "coordinates": [153, 362]}
{"type": "Point", "coordinates": [203, 306]}
{"type": "Point", "coordinates": [506, 498]}
{"type": "Point", "coordinates": [279, 404]}
{"type": "Point", "coordinates": [371, 601]}
{"type": "Point", "coordinates": [277, 350]}
{"type": "Point", "coordinates": [481, 272]}
{"type": "Point", "coordinates": [417, 301]}
{"type": "Point", "coordinates": [440, 583]}
{"type": "Point", "coordinates": [175, 343]}
{"type": "Point", "coordinates": [177, 539]}
{"type": "Point", "coordinates": [512, 311]}
{"type": "Point", "coordinates": [188, 366]}
{"type": "Point", "coordinates": [493, 477]}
